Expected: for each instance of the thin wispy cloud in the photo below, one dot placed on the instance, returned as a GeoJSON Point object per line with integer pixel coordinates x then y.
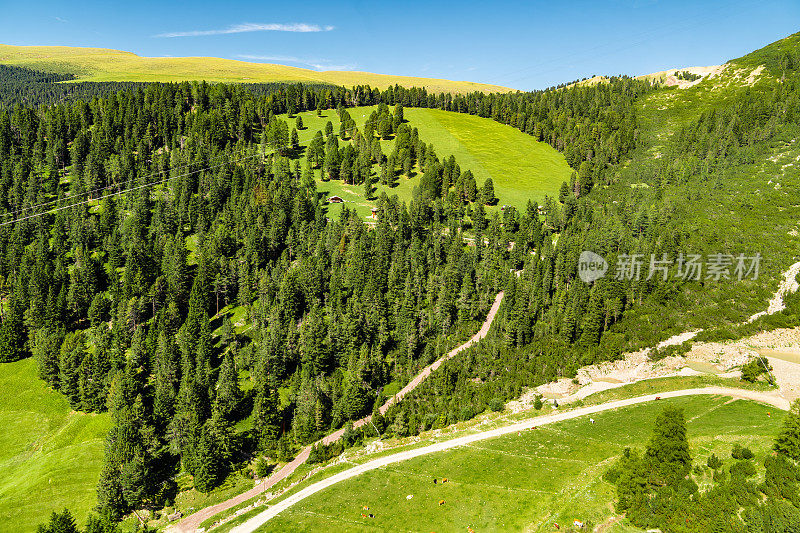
{"type": "Point", "coordinates": [316, 64]}
{"type": "Point", "coordinates": [294, 27]}
{"type": "Point", "coordinates": [61, 20]}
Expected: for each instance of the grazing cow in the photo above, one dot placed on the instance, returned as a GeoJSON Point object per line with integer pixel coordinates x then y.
{"type": "Point", "coordinates": [409, 496]}
{"type": "Point", "coordinates": [556, 526]}
{"type": "Point", "coordinates": [441, 502]}
{"type": "Point", "coordinates": [371, 515]}
{"type": "Point", "coordinates": [591, 420]}
{"type": "Point", "coordinates": [658, 397]}
{"type": "Point", "coordinates": [365, 508]}
{"type": "Point", "coordinates": [434, 481]}
{"type": "Point", "coordinates": [444, 480]}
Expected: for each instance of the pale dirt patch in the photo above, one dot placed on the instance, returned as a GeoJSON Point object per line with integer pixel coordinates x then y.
{"type": "Point", "coordinates": [751, 79]}
{"type": "Point", "coordinates": [668, 77]}
{"type": "Point", "coordinates": [766, 343]}
{"type": "Point", "coordinates": [719, 358]}
{"type": "Point", "coordinates": [788, 284]}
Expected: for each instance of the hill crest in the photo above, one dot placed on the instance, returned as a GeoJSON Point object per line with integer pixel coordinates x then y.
{"type": "Point", "coordinates": [105, 64]}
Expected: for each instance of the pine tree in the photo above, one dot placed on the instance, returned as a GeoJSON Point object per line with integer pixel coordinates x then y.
{"type": "Point", "coordinates": [368, 188]}
{"type": "Point", "coordinates": [487, 192]}
{"type": "Point", "coordinates": [469, 187]}
{"type": "Point", "coordinates": [62, 522]}
{"type": "Point", "coordinates": [479, 218]}
{"type": "Point", "coordinates": [266, 419]}
{"type": "Point", "coordinates": [228, 393]}
{"type": "Point", "coordinates": [585, 178]}
{"type": "Point", "coordinates": [12, 331]}
{"type": "Point", "coordinates": [208, 461]}
{"type": "Point", "coordinates": [592, 319]}
{"type": "Point", "coordinates": [788, 440]}
{"type": "Point", "coordinates": [563, 193]}
{"type": "Point", "coordinates": [667, 454]}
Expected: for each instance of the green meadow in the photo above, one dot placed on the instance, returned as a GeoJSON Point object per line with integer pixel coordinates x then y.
{"type": "Point", "coordinates": [525, 482]}
{"type": "Point", "coordinates": [50, 456]}
{"type": "Point", "coordinates": [521, 168]}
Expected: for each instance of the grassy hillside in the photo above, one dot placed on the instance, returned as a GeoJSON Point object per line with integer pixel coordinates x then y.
{"type": "Point", "coordinates": [50, 456]}
{"type": "Point", "coordinates": [746, 205]}
{"type": "Point", "coordinates": [527, 481]}
{"type": "Point", "coordinates": [101, 64]}
{"type": "Point", "coordinates": [520, 167]}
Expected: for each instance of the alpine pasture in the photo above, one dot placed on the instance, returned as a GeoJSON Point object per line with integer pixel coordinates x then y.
{"type": "Point", "coordinates": [527, 482]}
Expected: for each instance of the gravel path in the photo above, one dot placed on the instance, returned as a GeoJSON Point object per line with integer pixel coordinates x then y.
{"type": "Point", "coordinates": [193, 521]}
{"type": "Point", "coordinates": [770, 398]}
{"type": "Point", "coordinates": [787, 374]}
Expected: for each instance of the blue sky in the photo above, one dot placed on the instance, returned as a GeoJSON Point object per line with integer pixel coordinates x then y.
{"type": "Point", "coordinates": [525, 45]}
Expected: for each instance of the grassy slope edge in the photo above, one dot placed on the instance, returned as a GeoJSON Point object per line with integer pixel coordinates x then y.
{"type": "Point", "coordinates": [50, 456]}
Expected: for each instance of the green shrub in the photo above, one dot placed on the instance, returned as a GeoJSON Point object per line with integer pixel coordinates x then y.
{"type": "Point", "coordinates": [496, 404]}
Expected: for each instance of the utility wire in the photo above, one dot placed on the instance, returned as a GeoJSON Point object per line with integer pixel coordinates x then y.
{"type": "Point", "coordinates": [130, 189]}
{"type": "Point", "coordinates": [43, 204]}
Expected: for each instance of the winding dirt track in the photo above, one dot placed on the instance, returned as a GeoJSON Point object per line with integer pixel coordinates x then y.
{"type": "Point", "coordinates": [770, 398]}
{"type": "Point", "coordinates": [193, 521]}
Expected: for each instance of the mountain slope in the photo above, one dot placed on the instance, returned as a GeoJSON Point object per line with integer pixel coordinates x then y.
{"type": "Point", "coordinates": [102, 64]}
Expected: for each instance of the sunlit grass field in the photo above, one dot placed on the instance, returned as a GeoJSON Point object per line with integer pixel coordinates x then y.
{"type": "Point", "coordinates": [50, 456]}
{"type": "Point", "coordinates": [520, 167]}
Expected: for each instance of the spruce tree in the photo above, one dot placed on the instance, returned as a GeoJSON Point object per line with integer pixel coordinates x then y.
{"type": "Point", "coordinates": [228, 393]}
{"type": "Point", "coordinates": [12, 331]}
{"type": "Point", "coordinates": [62, 522]}
{"type": "Point", "coordinates": [208, 463]}
{"type": "Point", "coordinates": [266, 419]}
{"type": "Point", "coordinates": [487, 192]}
{"type": "Point", "coordinates": [667, 454]}
{"type": "Point", "coordinates": [788, 440]}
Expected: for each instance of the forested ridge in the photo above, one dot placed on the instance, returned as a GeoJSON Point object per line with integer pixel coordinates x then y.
{"type": "Point", "coordinates": [121, 315]}
{"type": "Point", "coordinates": [189, 309]}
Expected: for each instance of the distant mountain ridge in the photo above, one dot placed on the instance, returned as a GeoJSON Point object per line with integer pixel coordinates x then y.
{"type": "Point", "coordinates": [103, 64]}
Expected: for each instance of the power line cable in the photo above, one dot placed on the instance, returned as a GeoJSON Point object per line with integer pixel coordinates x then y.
{"type": "Point", "coordinates": [98, 189]}
{"type": "Point", "coordinates": [130, 189]}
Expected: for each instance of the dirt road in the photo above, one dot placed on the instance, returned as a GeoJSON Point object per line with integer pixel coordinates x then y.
{"type": "Point", "coordinates": [193, 521]}
{"type": "Point", "coordinates": [770, 398]}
